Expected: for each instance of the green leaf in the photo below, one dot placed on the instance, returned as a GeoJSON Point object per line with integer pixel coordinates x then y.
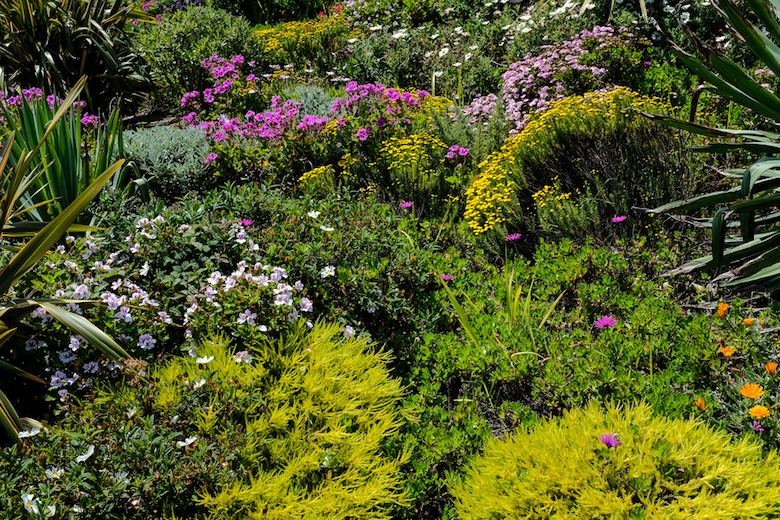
{"type": "Point", "coordinates": [86, 329]}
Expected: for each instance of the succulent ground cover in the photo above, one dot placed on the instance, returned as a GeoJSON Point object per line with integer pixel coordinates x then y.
{"type": "Point", "coordinates": [387, 257]}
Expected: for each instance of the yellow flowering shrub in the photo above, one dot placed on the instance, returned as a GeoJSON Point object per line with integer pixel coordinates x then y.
{"type": "Point", "coordinates": [283, 41]}
{"type": "Point", "coordinates": [492, 196]}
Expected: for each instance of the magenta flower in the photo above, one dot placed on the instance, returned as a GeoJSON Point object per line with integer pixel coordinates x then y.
{"type": "Point", "coordinates": [446, 277]}
{"type": "Point", "coordinates": [757, 426]}
{"type": "Point", "coordinates": [246, 222]}
{"type": "Point", "coordinates": [619, 219]}
{"type": "Point", "coordinates": [513, 237]}
{"type": "Point", "coordinates": [362, 134]}
{"type": "Point", "coordinates": [610, 440]}
{"type": "Point", "coordinates": [605, 322]}
{"type": "Point", "coordinates": [406, 205]}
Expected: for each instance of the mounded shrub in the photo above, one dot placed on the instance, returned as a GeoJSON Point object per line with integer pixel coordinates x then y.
{"type": "Point", "coordinates": [290, 429]}
{"type": "Point", "coordinates": [645, 467]}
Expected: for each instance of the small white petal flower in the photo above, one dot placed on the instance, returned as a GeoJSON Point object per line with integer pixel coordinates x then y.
{"type": "Point", "coordinates": [87, 454]}
{"type": "Point", "coordinates": [205, 359]}
{"type": "Point", "coordinates": [186, 442]}
{"type": "Point", "coordinates": [53, 473]}
{"type": "Point", "coordinates": [324, 228]}
{"type": "Point", "coordinates": [314, 214]}
{"type": "Point", "coordinates": [30, 503]}
{"type": "Point", "coordinates": [328, 271]}
{"type": "Point", "coordinates": [50, 511]}
{"type": "Point", "coordinates": [30, 433]}
{"type": "Point", "coordinates": [198, 384]}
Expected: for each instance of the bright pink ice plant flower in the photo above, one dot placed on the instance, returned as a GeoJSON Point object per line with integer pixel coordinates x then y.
{"type": "Point", "coordinates": [621, 218]}
{"type": "Point", "coordinates": [605, 322]}
{"type": "Point", "coordinates": [610, 440]}
{"type": "Point", "coordinates": [406, 205]}
{"type": "Point", "coordinates": [246, 222]}
{"type": "Point", "coordinates": [446, 277]}
{"type": "Point", "coordinates": [513, 237]}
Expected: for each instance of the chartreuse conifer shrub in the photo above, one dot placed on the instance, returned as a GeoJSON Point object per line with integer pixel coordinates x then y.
{"type": "Point", "coordinates": [620, 463]}
{"type": "Point", "coordinates": [292, 428]}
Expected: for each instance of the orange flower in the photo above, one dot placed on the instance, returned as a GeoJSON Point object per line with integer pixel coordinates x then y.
{"type": "Point", "coordinates": [727, 351]}
{"type": "Point", "coordinates": [771, 368]}
{"type": "Point", "coordinates": [748, 321]}
{"type": "Point", "coordinates": [722, 308]}
{"type": "Point", "coordinates": [752, 391]}
{"type": "Point", "coordinates": [759, 412]}
{"type": "Point", "coordinates": [700, 404]}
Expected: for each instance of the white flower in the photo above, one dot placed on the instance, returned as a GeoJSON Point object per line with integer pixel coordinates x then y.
{"type": "Point", "coordinates": [399, 34]}
{"type": "Point", "coordinates": [375, 28]}
{"type": "Point", "coordinates": [326, 228]}
{"type": "Point", "coordinates": [348, 332]}
{"type": "Point", "coordinates": [131, 412]}
{"type": "Point", "coordinates": [314, 214]}
{"type": "Point", "coordinates": [204, 360]}
{"type": "Point", "coordinates": [186, 442]}
{"type": "Point", "coordinates": [119, 476]}
{"type": "Point", "coordinates": [457, 64]}
{"type": "Point", "coordinates": [263, 328]}
{"type": "Point", "coordinates": [467, 57]}
{"type": "Point", "coordinates": [352, 40]}
{"type": "Point", "coordinates": [328, 271]}
{"type": "Point", "coordinates": [87, 454]}
{"type": "Point", "coordinates": [25, 433]}
{"type": "Point", "coordinates": [30, 503]}
{"type": "Point", "coordinates": [243, 357]}
{"type": "Point", "coordinates": [438, 73]}
{"type": "Point", "coordinates": [443, 52]}
{"type": "Point", "coordinates": [50, 511]}
{"type": "Point", "coordinates": [78, 509]}
{"type": "Point", "coordinates": [434, 36]}
{"type": "Point", "coordinates": [198, 384]}
{"type": "Point", "coordinates": [54, 473]}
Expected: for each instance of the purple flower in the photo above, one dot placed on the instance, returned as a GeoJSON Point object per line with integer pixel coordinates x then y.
{"type": "Point", "coordinates": [362, 134]}
{"type": "Point", "coordinates": [605, 322]}
{"type": "Point", "coordinates": [405, 205]}
{"type": "Point", "coordinates": [210, 157]}
{"type": "Point", "coordinates": [610, 440]}
{"type": "Point", "coordinates": [513, 237]}
{"type": "Point", "coordinates": [757, 427]}
{"type": "Point", "coordinates": [446, 277]}
{"type": "Point", "coordinates": [619, 219]}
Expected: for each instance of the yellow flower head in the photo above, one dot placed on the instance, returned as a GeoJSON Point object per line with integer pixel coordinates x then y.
{"type": "Point", "coordinates": [727, 351]}
{"type": "Point", "coordinates": [752, 391]}
{"type": "Point", "coordinates": [759, 412]}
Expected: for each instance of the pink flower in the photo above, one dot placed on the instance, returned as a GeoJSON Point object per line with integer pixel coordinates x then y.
{"type": "Point", "coordinates": [362, 134]}
{"type": "Point", "coordinates": [513, 237]}
{"type": "Point", "coordinates": [246, 222]}
{"type": "Point", "coordinates": [619, 219]}
{"type": "Point", "coordinates": [446, 277]}
{"type": "Point", "coordinates": [605, 322]}
{"type": "Point", "coordinates": [610, 440]}
{"type": "Point", "coordinates": [405, 205]}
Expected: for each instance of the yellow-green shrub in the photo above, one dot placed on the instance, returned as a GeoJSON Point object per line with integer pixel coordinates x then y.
{"type": "Point", "coordinates": [663, 469]}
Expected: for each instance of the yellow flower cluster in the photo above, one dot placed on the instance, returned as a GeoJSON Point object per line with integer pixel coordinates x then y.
{"type": "Point", "coordinates": [412, 151]}
{"type": "Point", "coordinates": [288, 36]}
{"type": "Point", "coordinates": [317, 173]}
{"type": "Point", "coordinates": [491, 195]}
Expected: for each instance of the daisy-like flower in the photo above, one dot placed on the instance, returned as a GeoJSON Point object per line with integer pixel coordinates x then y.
{"type": "Point", "coordinates": [759, 412]}
{"type": "Point", "coordinates": [246, 222]}
{"type": "Point", "coordinates": [727, 351]}
{"type": "Point", "coordinates": [314, 214]}
{"type": "Point", "coordinates": [446, 277]}
{"type": "Point", "coordinates": [610, 440]}
{"type": "Point", "coordinates": [329, 270]}
{"type": "Point", "coordinates": [620, 218]}
{"type": "Point", "coordinates": [197, 384]}
{"type": "Point", "coordinates": [53, 473]}
{"type": "Point", "coordinates": [29, 433]}
{"type": "Point", "coordinates": [771, 368]}
{"type": "Point", "coordinates": [752, 391]}
{"type": "Point", "coordinates": [748, 322]}
{"type": "Point", "coordinates": [605, 322]}
{"type": "Point", "coordinates": [513, 237]}
{"type": "Point", "coordinates": [205, 359]}
{"type": "Point", "coordinates": [722, 308]}
{"type": "Point", "coordinates": [405, 205]}
{"type": "Point", "coordinates": [325, 228]}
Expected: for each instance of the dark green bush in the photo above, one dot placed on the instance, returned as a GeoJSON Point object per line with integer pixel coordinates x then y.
{"type": "Point", "coordinates": [176, 45]}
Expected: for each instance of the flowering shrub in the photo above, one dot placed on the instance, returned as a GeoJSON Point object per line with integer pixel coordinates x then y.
{"type": "Point", "coordinates": [196, 432]}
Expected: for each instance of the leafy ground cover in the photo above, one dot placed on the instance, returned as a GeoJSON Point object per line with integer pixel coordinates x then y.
{"type": "Point", "coordinates": [388, 255]}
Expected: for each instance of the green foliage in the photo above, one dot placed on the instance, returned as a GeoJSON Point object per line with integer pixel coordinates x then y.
{"type": "Point", "coordinates": [314, 100]}
{"type": "Point", "coordinates": [67, 168]}
{"type": "Point", "coordinates": [662, 469]}
{"type": "Point", "coordinates": [175, 46]}
{"type": "Point", "coordinates": [15, 182]}
{"type": "Point", "coordinates": [173, 161]}
{"type": "Point", "coordinates": [295, 429]}
{"type": "Point", "coordinates": [52, 44]}
{"type": "Point", "coordinates": [750, 207]}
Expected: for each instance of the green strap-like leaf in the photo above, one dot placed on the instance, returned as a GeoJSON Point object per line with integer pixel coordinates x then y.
{"type": "Point", "coordinates": [719, 236]}
{"type": "Point", "coordinates": [86, 329]}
